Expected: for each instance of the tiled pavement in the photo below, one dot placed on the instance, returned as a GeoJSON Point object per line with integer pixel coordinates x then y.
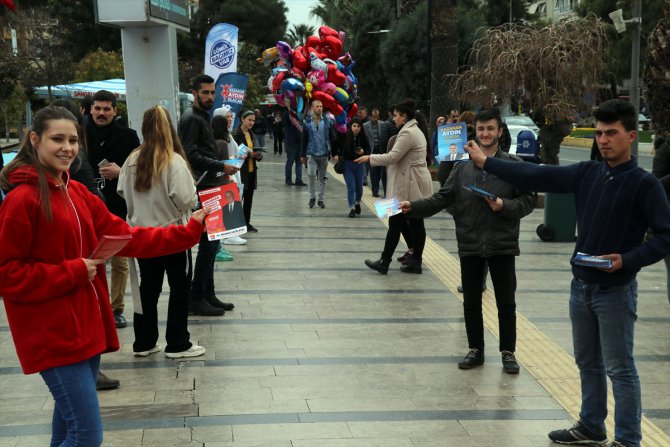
{"type": "Point", "coordinates": [320, 351]}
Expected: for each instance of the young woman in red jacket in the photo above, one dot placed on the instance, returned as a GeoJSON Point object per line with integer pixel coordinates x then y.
{"type": "Point", "coordinates": [56, 298]}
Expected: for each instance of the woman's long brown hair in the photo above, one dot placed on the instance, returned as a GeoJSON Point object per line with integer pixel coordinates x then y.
{"type": "Point", "coordinates": [159, 146]}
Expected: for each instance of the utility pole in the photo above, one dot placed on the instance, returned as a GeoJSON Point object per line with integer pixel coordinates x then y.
{"type": "Point", "coordinates": [636, 25]}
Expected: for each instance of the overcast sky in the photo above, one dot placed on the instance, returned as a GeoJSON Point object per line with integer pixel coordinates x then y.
{"type": "Point", "coordinates": [298, 12]}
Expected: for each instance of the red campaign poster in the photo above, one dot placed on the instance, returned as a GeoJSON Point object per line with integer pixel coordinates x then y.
{"type": "Point", "coordinates": [226, 218]}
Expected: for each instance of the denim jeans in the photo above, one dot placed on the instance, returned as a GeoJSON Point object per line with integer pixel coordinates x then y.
{"type": "Point", "coordinates": [260, 139]}
{"type": "Point", "coordinates": [316, 170]}
{"type": "Point", "coordinates": [292, 156]}
{"type": "Point", "coordinates": [202, 286]}
{"type": "Point", "coordinates": [76, 419]}
{"type": "Point", "coordinates": [603, 323]}
{"type": "Point", "coordinates": [353, 177]}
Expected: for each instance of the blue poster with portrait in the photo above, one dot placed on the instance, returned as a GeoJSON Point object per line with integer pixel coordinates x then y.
{"type": "Point", "coordinates": [451, 141]}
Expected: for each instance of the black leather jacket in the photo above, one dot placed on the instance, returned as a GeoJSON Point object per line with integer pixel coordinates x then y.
{"type": "Point", "coordinates": [196, 136]}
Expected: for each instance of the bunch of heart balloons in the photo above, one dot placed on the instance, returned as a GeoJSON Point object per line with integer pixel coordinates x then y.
{"type": "Point", "coordinates": [315, 70]}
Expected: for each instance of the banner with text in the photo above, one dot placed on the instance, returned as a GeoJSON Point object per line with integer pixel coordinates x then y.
{"type": "Point", "coordinates": [221, 50]}
{"type": "Point", "coordinates": [230, 90]}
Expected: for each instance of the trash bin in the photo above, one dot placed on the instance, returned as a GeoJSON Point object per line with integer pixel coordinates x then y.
{"type": "Point", "coordinates": [560, 218]}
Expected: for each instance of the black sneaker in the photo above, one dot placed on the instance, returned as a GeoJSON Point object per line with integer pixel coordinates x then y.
{"type": "Point", "coordinates": [205, 309]}
{"type": "Point", "coordinates": [510, 366]}
{"type": "Point", "coordinates": [120, 320]}
{"type": "Point", "coordinates": [352, 213]}
{"type": "Point", "coordinates": [288, 183]}
{"type": "Point", "coordinates": [578, 435]}
{"type": "Point", "coordinates": [321, 204]}
{"type": "Point", "coordinates": [357, 208]}
{"type": "Point", "coordinates": [300, 183]}
{"type": "Point", "coordinates": [215, 302]}
{"type": "Point", "coordinates": [474, 358]}
{"type": "Point", "coordinates": [252, 229]}
{"type": "Point", "coordinates": [312, 201]}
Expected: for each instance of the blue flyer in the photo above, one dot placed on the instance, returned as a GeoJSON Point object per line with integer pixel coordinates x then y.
{"type": "Point", "coordinates": [387, 207]}
{"type": "Point", "coordinates": [451, 141]}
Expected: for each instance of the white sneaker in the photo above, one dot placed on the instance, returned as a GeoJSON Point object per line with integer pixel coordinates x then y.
{"type": "Point", "coordinates": [193, 351]}
{"type": "Point", "coordinates": [148, 352]}
{"type": "Point", "coordinates": [235, 240]}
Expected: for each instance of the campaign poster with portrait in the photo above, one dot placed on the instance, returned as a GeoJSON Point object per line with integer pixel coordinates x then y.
{"type": "Point", "coordinates": [451, 141]}
{"type": "Point", "coordinates": [226, 218]}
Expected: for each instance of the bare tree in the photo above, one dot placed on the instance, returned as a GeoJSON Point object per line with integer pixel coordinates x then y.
{"type": "Point", "coordinates": [41, 56]}
{"type": "Point", "coordinates": [549, 69]}
{"type": "Point", "coordinates": [657, 74]}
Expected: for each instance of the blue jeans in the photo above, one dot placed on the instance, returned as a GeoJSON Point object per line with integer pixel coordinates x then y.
{"type": "Point", "coordinates": [292, 156]}
{"type": "Point", "coordinates": [76, 419]}
{"type": "Point", "coordinates": [202, 286]}
{"type": "Point", "coordinates": [260, 139]}
{"type": "Point", "coordinates": [353, 177]}
{"type": "Point", "coordinates": [603, 323]}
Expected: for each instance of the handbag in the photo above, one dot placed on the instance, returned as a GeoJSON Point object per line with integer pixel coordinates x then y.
{"type": "Point", "coordinates": [339, 165]}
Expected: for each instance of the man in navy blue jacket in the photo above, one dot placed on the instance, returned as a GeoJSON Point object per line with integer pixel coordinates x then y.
{"type": "Point", "coordinates": [616, 203]}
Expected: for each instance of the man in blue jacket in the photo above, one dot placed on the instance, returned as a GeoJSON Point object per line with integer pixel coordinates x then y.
{"type": "Point", "coordinates": [317, 139]}
{"type": "Point", "coordinates": [616, 203]}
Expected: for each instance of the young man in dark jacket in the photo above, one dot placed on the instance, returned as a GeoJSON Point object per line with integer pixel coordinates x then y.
{"type": "Point", "coordinates": [196, 136]}
{"type": "Point", "coordinates": [487, 231]}
{"type": "Point", "coordinates": [616, 203]}
{"type": "Point", "coordinates": [109, 144]}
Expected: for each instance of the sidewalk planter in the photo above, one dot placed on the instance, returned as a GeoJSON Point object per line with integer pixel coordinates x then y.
{"type": "Point", "coordinates": [560, 218]}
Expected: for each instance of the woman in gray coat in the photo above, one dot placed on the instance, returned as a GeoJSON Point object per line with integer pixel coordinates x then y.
{"type": "Point", "coordinates": [408, 178]}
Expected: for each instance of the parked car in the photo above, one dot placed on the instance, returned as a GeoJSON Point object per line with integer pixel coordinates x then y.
{"type": "Point", "coordinates": [644, 122]}
{"type": "Point", "coordinates": [521, 120]}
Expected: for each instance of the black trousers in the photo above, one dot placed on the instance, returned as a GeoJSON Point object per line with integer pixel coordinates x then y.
{"type": "Point", "coordinates": [503, 276]}
{"type": "Point", "coordinates": [377, 174]}
{"type": "Point", "coordinates": [248, 195]}
{"type": "Point", "coordinates": [145, 325]}
{"type": "Point", "coordinates": [202, 286]}
{"type": "Point", "coordinates": [278, 144]}
{"type": "Point", "coordinates": [417, 235]}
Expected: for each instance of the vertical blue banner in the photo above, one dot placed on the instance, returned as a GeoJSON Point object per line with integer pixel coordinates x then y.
{"type": "Point", "coordinates": [221, 50]}
{"type": "Point", "coordinates": [231, 89]}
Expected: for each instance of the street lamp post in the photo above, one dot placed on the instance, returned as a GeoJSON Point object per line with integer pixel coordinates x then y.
{"type": "Point", "coordinates": [636, 27]}
{"type": "Point", "coordinates": [635, 68]}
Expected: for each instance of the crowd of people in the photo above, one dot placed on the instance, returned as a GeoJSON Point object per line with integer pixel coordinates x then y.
{"type": "Point", "coordinates": [149, 191]}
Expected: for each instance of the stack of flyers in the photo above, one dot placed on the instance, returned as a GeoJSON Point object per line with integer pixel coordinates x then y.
{"type": "Point", "coordinates": [243, 151]}
{"type": "Point", "coordinates": [591, 261]}
{"type": "Point", "coordinates": [480, 192]}
{"type": "Point", "coordinates": [237, 162]}
{"type": "Point", "coordinates": [387, 207]}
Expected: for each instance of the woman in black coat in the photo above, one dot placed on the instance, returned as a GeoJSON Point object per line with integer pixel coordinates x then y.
{"type": "Point", "coordinates": [249, 170]}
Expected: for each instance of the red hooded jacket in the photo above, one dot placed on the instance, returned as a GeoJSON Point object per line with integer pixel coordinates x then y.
{"type": "Point", "coordinates": [56, 315]}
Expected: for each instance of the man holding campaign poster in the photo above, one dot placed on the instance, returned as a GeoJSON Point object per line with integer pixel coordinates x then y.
{"type": "Point", "coordinates": [487, 215]}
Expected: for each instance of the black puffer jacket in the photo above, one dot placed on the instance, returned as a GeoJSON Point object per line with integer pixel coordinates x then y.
{"type": "Point", "coordinates": [479, 230]}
